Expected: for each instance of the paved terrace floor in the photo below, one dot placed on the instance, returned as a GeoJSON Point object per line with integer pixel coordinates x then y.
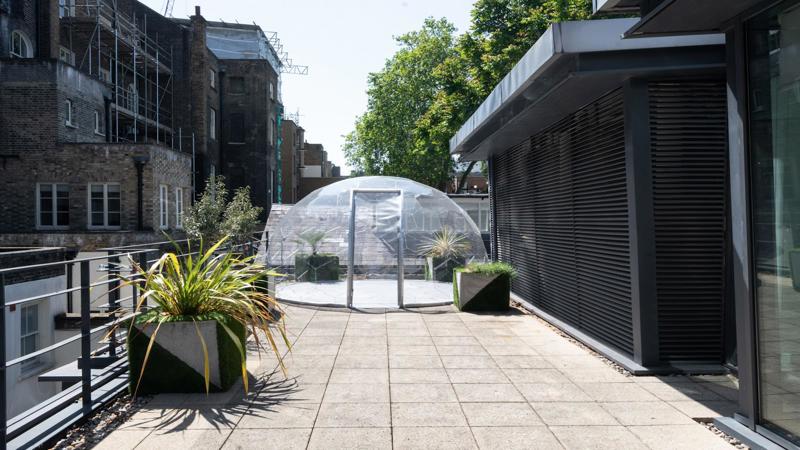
{"type": "Point", "coordinates": [435, 378]}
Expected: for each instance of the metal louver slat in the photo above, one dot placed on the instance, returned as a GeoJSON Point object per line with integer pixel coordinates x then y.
{"type": "Point", "coordinates": [562, 220]}
{"type": "Point", "coordinates": [688, 139]}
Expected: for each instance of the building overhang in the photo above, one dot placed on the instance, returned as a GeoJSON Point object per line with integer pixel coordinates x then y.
{"type": "Point", "coordinates": [673, 17]}
{"type": "Point", "coordinates": [572, 64]}
{"type": "Point", "coordinates": [615, 6]}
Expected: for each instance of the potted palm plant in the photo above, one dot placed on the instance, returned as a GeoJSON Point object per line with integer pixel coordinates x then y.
{"type": "Point", "coordinates": [315, 266]}
{"type": "Point", "coordinates": [443, 252]}
{"type": "Point", "coordinates": [483, 286]}
{"type": "Point", "coordinates": [192, 319]}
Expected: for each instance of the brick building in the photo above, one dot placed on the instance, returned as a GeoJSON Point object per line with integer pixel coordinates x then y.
{"type": "Point", "coordinates": [112, 116]}
{"type": "Point", "coordinates": [250, 103]}
{"type": "Point", "coordinates": [316, 170]}
{"type": "Point", "coordinates": [292, 146]}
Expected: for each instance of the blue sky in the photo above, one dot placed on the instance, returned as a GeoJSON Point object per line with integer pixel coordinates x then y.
{"type": "Point", "coordinates": [341, 42]}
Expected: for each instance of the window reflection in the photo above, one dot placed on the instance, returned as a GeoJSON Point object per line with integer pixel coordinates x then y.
{"type": "Point", "coordinates": [774, 72]}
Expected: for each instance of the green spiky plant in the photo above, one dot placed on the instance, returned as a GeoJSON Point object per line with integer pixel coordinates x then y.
{"type": "Point", "coordinates": [207, 287]}
{"type": "Point", "coordinates": [446, 243]}
{"type": "Point", "coordinates": [311, 238]}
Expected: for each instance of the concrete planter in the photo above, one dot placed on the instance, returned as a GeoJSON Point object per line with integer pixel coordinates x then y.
{"type": "Point", "coordinates": [176, 359]}
{"type": "Point", "coordinates": [479, 293]}
{"type": "Point", "coordinates": [319, 267]}
{"type": "Point", "coordinates": [441, 269]}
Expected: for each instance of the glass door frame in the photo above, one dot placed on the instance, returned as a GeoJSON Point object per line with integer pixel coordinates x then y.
{"type": "Point", "coordinates": [743, 255]}
{"type": "Point", "coordinates": [351, 250]}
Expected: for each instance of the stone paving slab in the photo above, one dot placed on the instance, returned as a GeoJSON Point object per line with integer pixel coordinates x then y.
{"type": "Point", "coordinates": [434, 378]}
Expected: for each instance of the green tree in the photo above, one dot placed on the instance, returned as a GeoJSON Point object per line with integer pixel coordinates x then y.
{"type": "Point", "coordinates": [204, 218]}
{"type": "Point", "coordinates": [240, 219]}
{"type": "Point", "coordinates": [383, 142]}
{"type": "Point", "coordinates": [436, 81]}
{"type": "Point", "coordinates": [213, 217]}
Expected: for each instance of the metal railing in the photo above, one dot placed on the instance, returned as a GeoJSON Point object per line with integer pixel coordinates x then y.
{"type": "Point", "coordinates": [101, 373]}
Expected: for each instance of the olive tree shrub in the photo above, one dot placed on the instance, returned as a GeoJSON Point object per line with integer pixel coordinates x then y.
{"type": "Point", "coordinates": [213, 217]}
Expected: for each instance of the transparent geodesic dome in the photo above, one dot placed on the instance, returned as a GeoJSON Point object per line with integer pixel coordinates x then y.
{"type": "Point", "coordinates": [394, 220]}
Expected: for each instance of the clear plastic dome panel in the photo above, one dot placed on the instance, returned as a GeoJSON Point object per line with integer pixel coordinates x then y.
{"type": "Point", "coordinates": [313, 245]}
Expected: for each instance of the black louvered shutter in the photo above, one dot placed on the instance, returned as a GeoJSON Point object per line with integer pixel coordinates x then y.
{"type": "Point", "coordinates": [688, 133]}
{"type": "Point", "coordinates": [562, 220]}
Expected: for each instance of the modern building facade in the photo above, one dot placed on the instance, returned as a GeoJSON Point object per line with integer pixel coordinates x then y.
{"type": "Point", "coordinates": [762, 40]}
{"type": "Point", "coordinates": [607, 199]}
{"type": "Point", "coordinates": [648, 201]}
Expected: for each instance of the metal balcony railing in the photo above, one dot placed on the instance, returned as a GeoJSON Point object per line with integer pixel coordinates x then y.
{"type": "Point", "coordinates": [100, 372]}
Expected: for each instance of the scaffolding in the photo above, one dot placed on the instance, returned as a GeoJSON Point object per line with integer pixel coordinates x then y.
{"type": "Point", "coordinates": [115, 47]}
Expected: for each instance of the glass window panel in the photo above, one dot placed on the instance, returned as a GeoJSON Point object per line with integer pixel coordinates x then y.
{"type": "Point", "coordinates": [774, 71]}
{"type": "Point", "coordinates": [97, 219]}
{"type": "Point", "coordinates": [28, 344]}
{"type": "Point", "coordinates": [113, 219]}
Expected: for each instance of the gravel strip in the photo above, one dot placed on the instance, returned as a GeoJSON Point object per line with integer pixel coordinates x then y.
{"type": "Point", "coordinates": [730, 439]}
{"type": "Point", "coordinates": [87, 434]}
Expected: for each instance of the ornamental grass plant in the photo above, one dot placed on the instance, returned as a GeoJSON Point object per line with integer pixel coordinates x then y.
{"type": "Point", "coordinates": [207, 285]}
{"type": "Point", "coordinates": [445, 243]}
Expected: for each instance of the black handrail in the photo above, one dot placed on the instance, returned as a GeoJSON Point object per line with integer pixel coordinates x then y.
{"type": "Point", "coordinates": [120, 312]}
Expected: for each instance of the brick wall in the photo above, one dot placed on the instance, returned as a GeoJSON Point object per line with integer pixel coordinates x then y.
{"type": "Point", "coordinates": [80, 164]}
{"type": "Point", "coordinates": [174, 170]}
{"type": "Point", "coordinates": [315, 155]}
{"type": "Point", "coordinates": [19, 16]}
{"type": "Point", "coordinates": [309, 185]}
{"type": "Point", "coordinates": [250, 162]}
{"type": "Point", "coordinates": [32, 105]}
{"type": "Point", "coordinates": [18, 257]}
{"type": "Point", "coordinates": [291, 136]}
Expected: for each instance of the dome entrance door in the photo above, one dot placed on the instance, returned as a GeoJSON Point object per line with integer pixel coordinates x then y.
{"type": "Point", "coordinates": [376, 243]}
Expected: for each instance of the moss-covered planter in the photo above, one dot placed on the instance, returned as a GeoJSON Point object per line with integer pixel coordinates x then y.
{"type": "Point", "coordinates": [441, 269]}
{"type": "Point", "coordinates": [316, 267]}
{"type": "Point", "coordinates": [477, 292]}
{"type": "Point", "coordinates": [176, 359]}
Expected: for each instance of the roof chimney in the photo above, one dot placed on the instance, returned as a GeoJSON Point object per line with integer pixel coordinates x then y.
{"type": "Point", "coordinates": [197, 10]}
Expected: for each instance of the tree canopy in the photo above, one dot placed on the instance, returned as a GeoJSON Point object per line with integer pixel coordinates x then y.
{"type": "Point", "coordinates": [437, 79]}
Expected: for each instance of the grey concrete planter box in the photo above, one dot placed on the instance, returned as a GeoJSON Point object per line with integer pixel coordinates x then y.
{"type": "Point", "coordinates": [175, 363]}
{"type": "Point", "coordinates": [319, 267]}
{"type": "Point", "coordinates": [479, 293]}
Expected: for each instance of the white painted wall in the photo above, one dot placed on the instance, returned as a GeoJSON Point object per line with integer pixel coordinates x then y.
{"type": "Point", "coordinates": [311, 172]}
{"type": "Point", "coordinates": [22, 387]}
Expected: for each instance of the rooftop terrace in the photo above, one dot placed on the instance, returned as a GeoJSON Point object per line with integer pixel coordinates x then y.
{"type": "Point", "coordinates": [434, 378]}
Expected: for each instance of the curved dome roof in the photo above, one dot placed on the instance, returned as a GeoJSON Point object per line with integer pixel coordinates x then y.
{"type": "Point", "coordinates": [325, 214]}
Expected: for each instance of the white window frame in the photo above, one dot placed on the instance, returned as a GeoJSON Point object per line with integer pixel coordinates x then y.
{"type": "Point", "coordinates": [105, 75]}
{"type": "Point", "coordinates": [69, 113]}
{"type": "Point", "coordinates": [212, 78]}
{"type": "Point", "coordinates": [27, 51]}
{"type": "Point", "coordinates": [36, 334]}
{"type": "Point", "coordinates": [66, 55]}
{"type": "Point", "coordinates": [66, 8]}
{"type": "Point", "coordinates": [98, 122]}
{"type": "Point", "coordinates": [212, 124]}
{"type": "Point", "coordinates": [89, 211]}
{"type": "Point", "coordinates": [54, 211]}
{"type": "Point", "coordinates": [178, 208]}
{"type": "Point", "coordinates": [271, 90]}
{"type": "Point", "coordinates": [163, 206]}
